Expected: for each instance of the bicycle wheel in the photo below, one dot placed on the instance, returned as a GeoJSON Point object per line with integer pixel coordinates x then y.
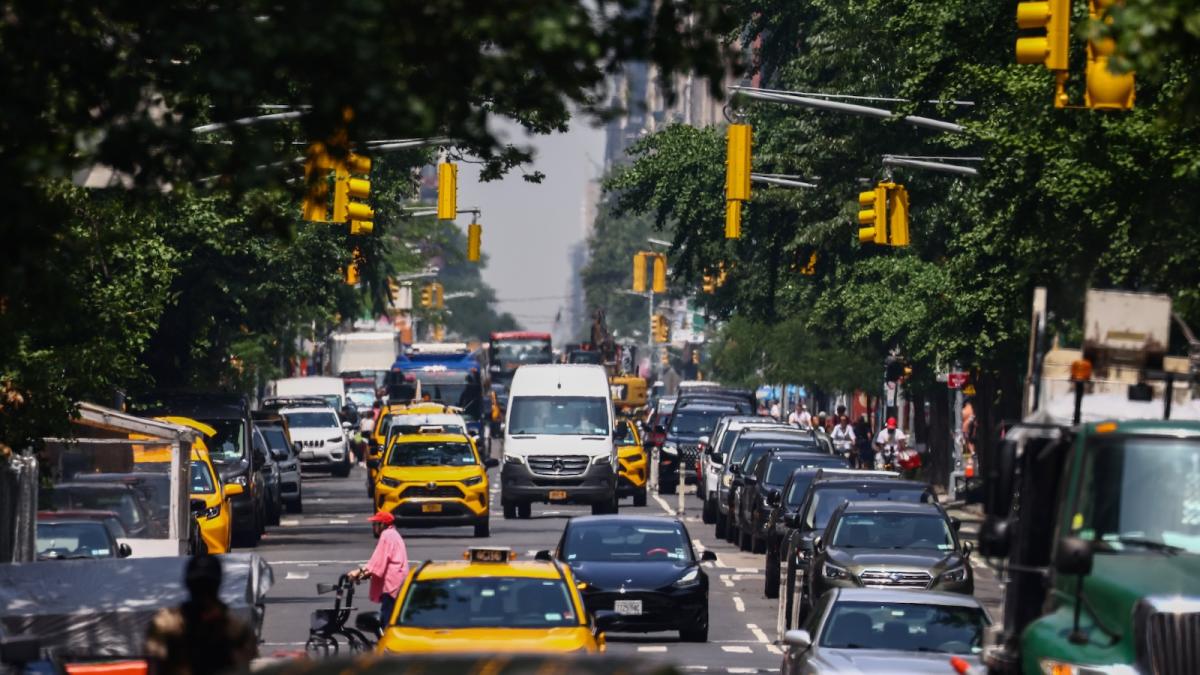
{"type": "Point", "coordinates": [358, 642]}
{"type": "Point", "coordinates": [321, 646]}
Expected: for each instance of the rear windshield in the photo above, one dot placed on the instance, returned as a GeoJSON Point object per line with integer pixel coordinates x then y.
{"type": "Point", "coordinates": [826, 500]}
{"type": "Point", "coordinates": [311, 419]}
{"type": "Point", "coordinates": [696, 422]}
{"type": "Point", "coordinates": [488, 602]}
{"type": "Point", "coordinates": [431, 454]}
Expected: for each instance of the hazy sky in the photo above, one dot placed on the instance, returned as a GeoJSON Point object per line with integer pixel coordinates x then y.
{"type": "Point", "coordinates": [528, 228]}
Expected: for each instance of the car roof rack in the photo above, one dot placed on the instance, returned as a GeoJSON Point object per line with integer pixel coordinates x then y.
{"type": "Point", "coordinates": [276, 402]}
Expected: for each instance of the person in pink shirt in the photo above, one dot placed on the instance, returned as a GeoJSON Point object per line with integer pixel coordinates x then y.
{"type": "Point", "coordinates": [387, 568]}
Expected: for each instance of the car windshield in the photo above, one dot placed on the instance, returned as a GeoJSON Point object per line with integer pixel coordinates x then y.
{"type": "Point", "coordinates": [779, 469]}
{"type": "Point", "coordinates": [799, 488]}
{"type": "Point", "coordinates": [81, 539]}
{"type": "Point", "coordinates": [1141, 493]}
{"type": "Point", "coordinates": [743, 443]}
{"type": "Point", "coordinates": [626, 542]}
{"type": "Point", "coordinates": [275, 437]}
{"type": "Point", "coordinates": [904, 626]}
{"type": "Point", "coordinates": [893, 530]}
{"type": "Point", "coordinates": [488, 602]}
{"type": "Point", "coordinates": [559, 415]}
{"type": "Point", "coordinates": [825, 501]}
{"type": "Point", "coordinates": [120, 502]}
{"type": "Point", "coordinates": [435, 453]}
{"type": "Point", "coordinates": [519, 352]}
{"type": "Point", "coordinates": [363, 398]}
{"type": "Point", "coordinates": [228, 443]}
{"type": "Point", "coordinates": [202, 479]}
{"type": "Point", "coordinates": [696, 422]}
{"type": "Point", "coordinates": [321, 419]}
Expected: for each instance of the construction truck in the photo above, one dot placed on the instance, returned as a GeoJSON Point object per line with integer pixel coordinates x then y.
{"type": "Point", "coordinates": [1092, 502]}
{"type": "Point", "coordinates": [629, 391]}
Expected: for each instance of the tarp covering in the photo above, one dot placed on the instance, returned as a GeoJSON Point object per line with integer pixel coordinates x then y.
{"type": "Point", "coordinates": [18, 508]}
{"type": "Point", "coordinates": [89, 608]}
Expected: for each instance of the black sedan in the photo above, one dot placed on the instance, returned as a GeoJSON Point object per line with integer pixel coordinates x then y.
{"type": "Point", "coordinates": [644, 569]}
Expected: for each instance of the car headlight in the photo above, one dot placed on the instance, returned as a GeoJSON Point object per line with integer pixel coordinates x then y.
{"type": "Point", "coordinates": [832, 571]}
{"type": "Point", "coordinates": [727, 480]}
{"type": "Point", "coordinates": [473, 480]}
{"type": "Point", "coordinates": [955, 575]}
{"type": "Point", "coordinates": [389, 482]}
{"type": "Point", "coordinates": [339, 439]}
{"type": "Point", "coordinates": [602, 460]}
{"type": "Point", "coordinates": [513, 459]}
{"type": "Point", "coordinates": [212, 511]}
{"type": "Point", "coordinates": [1056, 667]}
{"type": "Point", "coordinates": [670, 448]}
{"type": "Point", "coordinates": [689, 579]}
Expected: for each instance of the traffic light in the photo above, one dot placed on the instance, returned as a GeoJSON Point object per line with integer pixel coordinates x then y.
{"type": "Point", "coordinates": [447, 195]}
{"type": "Point", "coordinates": [474, 241]}
{"type": "Point", "coordinates": [316, 184]}
{"type": "Point", "coordinates": [696, 355]}
{"type": "Point", "coordinates": [1051, 49]}
{"type": "Point", "coordinates": [1105, 90]}
{"type": "Point", "coordinates": [393, 292]}
{"type": "Point", "coordinates": [439, 295]}
{"type": "Point", "coordinates": [639, 272]}
{"type": "Point", "coordinates": [427, 296]}
{"type": "Point", "coordinates": [347, 188]}
{"type": "Point", "coordinates": [733, 219]}
{"type": "Point", "coordinates": [811, 268]}
{"type": "Point", "coordinates": [897, 209]}
{"type": "Point", "coordinates": [709, 284]}
{"type": "Point", "coordinates": [661, 328]}
{"type": "Point", "coordinates": [660, 273]}
{"type": "Point", "coordinates": [351, 274]}
{"type": "Point", "coordinates": [873, 216]}
{"type": "Point", "coordinates": [737, 162]}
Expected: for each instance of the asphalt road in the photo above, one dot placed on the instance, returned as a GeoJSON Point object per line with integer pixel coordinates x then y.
{"type": "Point", "coordinates": [332, 536]}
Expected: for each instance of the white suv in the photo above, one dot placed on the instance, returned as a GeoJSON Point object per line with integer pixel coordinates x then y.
{"type": "Point", "coordinates": [713, 460]}
{"type": "Point", "coordinates": [320, 438]}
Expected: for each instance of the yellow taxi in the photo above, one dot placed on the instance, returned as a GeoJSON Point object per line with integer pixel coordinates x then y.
{"type": "Point", "coordinates": [491, 603]}
{"type": "Point", "coordinates": [434, 478]}
{"type": "Point", "coordinates": [388, 416]}
{"type": "Point", "coordinates": [216, 519]}
{"type": "Point", "coordinates": [634, 469]}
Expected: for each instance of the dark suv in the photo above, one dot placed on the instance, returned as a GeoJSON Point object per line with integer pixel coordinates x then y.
{"type": "Point", "coordinates": [763, 483]}
{"type": "Point", "coordinates": [691, 421]}
{"type": "Point", "coordinates": [783, 507]}
{"type": "Point", "coordinates": [828, 491]}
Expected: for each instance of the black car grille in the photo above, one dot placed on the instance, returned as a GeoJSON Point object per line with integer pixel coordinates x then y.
{"type": "Point", "coordinates": [312, 444]}
{"type": "Point", "coordinates": [1166, 640]}
{"type": "Point", "coordinates": [895, 579]}
{"type": "Point", "coordinates": [558, 465]}
{"type": "Point", "coordinates": [689, 453]}
{"type": "Point", "coordinates": [443, 491]}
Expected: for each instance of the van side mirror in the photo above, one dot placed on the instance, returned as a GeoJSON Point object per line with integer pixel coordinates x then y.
{"type": "Point", "coordinates": [490, 462]}
{"type": "Point", "coordinates": [793, 520]}
{"type": "Point", "coordinates": [1074, 556]}
{"type": "Point", "coordinates": [708, 556]}
{"type": "Point", "coordinates": [123, 551]}
{"type": "Point", "coordinates": [543, 555]}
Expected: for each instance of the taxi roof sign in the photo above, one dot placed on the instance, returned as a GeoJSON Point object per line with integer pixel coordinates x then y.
{"type": "Point", "coordinates": [497, 554]}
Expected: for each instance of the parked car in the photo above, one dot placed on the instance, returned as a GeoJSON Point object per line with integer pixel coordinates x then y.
{"type": "Point", "coordinates": [65, 538]}
{"type": "Point", "coordinates": [153, 489]}
{"type": "Point", "coordinates": [869, 630]}
{"type": "Point", "coordinates": [272, 480]}
{"type": "Point", "coordinates": [287, 461]}
{"type": "Point", "coordinates": [713, 452]}
{"type": "Point", "coordinates": [643, 568]}
{"type": "Point", "coordinates": [776, 528]}
{"type": "Point", "coordinates": [762, 486]}
{"type": "Point", "coordinates": [116, 497]}
{"type": "Point", "coordinates": [745, 438]}
{"type": "Point", "coordinates": [890, 545]}
{"type": "Point", "coordinates": [739, 530]}
{"type": "Point", "coordinates": [691, 421]}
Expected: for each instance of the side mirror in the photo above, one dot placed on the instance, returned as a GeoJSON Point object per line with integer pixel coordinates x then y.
{"type": "Point", "coordinates": [491, 463]}
{"type": "Point", "coordinates": [818, 544]}
{"type": "Point", "coordinates": [774, 497]}
{"type": "Point", "coordinates": [280, 455]}
{"type": "Point", "coordinates": [347, 426]}
{"type": "Point", "coordinates": [735, 470]}
{"type": "Point", "coordinates": [368, 622]}
{"type": "Point", "coordinates": [233, 490]}
{"type": "Point", "coordinates": [799, 639]}
{"type": "Point", "coordinates": [258, 458]}
{"type": "Point", "coordinates": [1074, 556]}
{"type": "Point", "coordinates": [198, 507]}
{"type": "Point", "coordinates": [750, 480]}
{"type": "Point", "coordinates": [967, 548]}
{"type": "Point", "coordinates": [606, 620]}
{"type": "Point", "coordinates": [543, 555]}
{"type": "Point", "coordinates": [708, 556]}
{"type": "Point", "coordinates": [955, 524]}
{"type": "Point", "coordinates": [123, 551]}
{"type": "Point", "coordinates": [298, 447]}
{"type": "Point", "coordinates": [718, 458]}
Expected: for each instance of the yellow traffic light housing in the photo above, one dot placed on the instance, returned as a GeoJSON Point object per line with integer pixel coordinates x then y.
{"type": "Point", "coordinates": [439, 295]}
{"type": "Point", "coordinates": [873, 216]}
{"type": "Point", "coordinates": [639, 272]}
{"type": "Point", "coordinates": [347, 189]}
{"type": "Point", "coordinates": [315, 206]}
{"type": "Point", "coordinates": [897, 209]}
{"type": "Point", "coordinates": [737, 162]}
{"type": "Point", "coordinates": [474, 241]}
{"type": "Point", "coordinates": [661, 328]}
{"type": "Point", "coordinates": [733, 219]}
{"type": "Point", "coordinates": [1105, 90]}
{"type": "Point", "coordinates": [427, 296]}
{"type": "Point", "coordinates": [810, 269]}
{"type": "Point", "coordinates": [1051, 49]}
{"type": "Point", "coordinates": [447, 195]}
{"type": "Point", "coordinates": [660, 273]}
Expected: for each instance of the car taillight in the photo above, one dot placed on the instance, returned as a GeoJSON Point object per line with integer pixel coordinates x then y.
{"type": "Point", "coordinates": [657, 438]}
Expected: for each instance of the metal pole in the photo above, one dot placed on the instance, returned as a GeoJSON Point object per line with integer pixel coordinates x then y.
{"type": "Point", "coordinates": [933, 166]}
{"type": "Point", "coordinates": [956, 445]}
{"type": "Point", "coordinates": [865, 111]}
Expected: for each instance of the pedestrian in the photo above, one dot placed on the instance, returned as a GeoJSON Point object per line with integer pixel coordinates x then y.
{"type": "Point", "coordinates": [862, 439]}
{"type": "Point", "coordinates": [888, 443]}
{"type": "Point", "coordinates": [387, 568]}
{"type": "Point", "coordinates": [823, 421]}
{"type": "Point", "coordinates": [799, 417]}
{"type": "Point", "coordinates": [843, 438]}
{"type": "Point", "coordinates": [199, 636]}
{"type": "Point", "coordinates": [763, 411]}
{"type": "Point", "coordinates": [776, 411]}
{"type": "Point", "coordinates": [969, 426]}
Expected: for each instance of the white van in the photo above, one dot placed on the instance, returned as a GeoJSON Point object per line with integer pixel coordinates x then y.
{"type": "Point", "coordinates": [332, 389]}
{"type": "Point", "coordinates": [559, 444]}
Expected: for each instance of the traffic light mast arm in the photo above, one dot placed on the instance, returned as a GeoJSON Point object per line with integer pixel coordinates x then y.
{"type": "Point", "coordinates": [924, 163]}
{"type": "Point", "coordinates": [850, 108]}
{"type": "Point", "coordinates": [780, 179]}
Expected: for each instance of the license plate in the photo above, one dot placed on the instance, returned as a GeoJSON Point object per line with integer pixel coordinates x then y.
{"type": "Point", "coordinates": [628, 607]}
{"type": "Point", "coordinates": [558, 495]}
{"type": "Point", "coordinates": [431, 508]}
{"type": "Point", "coordinates": [306, 456]}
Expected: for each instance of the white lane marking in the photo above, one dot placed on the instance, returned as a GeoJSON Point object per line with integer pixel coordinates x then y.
{"type": "Point", "coordinates": [748, 570]}
{"type": "Point", "coordinates": [296, 575]}
{"type": "Point", "coordinates": [738, 604]}
{"type": "Point", "coordinates": [693, 669]}
{"type": "Point", "coordinates": [289, 523]}
{"type": "Point", "coordinates": [726, 580]}
{"type": "Point", "coordinates": [652, 648]}
{"type": "Point", "coordinates": [339, 522]}
{"type": "Point", "coordinates": [665, 506]}
{"type": "Point", "coordinates": [758, 633]}
{"type": "Point", "coordinates": [741, 670]}
{"type": "Point", "coordinates": [737, 649]}
{"type": "Point", "coordinates": [315, 562]}
{"type": "Point", "coordinates": [775, 650]}
{"type": "Point", "coordinates": [306, 565]}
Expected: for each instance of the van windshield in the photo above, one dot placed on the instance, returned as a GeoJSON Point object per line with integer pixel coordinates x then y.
{"type": "Point", "coordinates": [559, 415]}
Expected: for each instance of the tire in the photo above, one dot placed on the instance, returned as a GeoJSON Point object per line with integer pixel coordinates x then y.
{"type": "Point", "coordinates": [757, 544]}
{"type": "Point", "coordinates": [639, 497]}
{"type": "Point", "coordinates": [510, 510]}
{"type": "Point", "coordinates": [721, 525]}
{"type": "Point", "coordinates": [695, 633]}
{"type": "Point", "coordinates": [731, 531]}
{"type": "Point", "coordinates": [274, 510]}
{"type": "Point", "coordinates": [708, 514]}
{"type": "Point", "coordinates": [525, 510]}
{"type": "Point", "coordinates": [789, 587]}
{"type": "Point", "coordinates": [771, 575]}
{"type": "Point", "coordinates": [600, 508]}
{"type": "Point", "coordinates": [483, 528]}
{"type": "Point", "coordinates": [342, 471]}
{"type": "Point", "coordinates": [745, 540]}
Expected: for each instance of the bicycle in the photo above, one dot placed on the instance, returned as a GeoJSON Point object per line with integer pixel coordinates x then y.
{"type": "Point", "coordinates": [326, 626]}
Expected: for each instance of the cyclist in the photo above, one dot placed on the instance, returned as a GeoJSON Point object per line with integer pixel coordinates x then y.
{"type": "Point", "coordinates": [843, 437]}
{"type": "Point", "coordinates": [889, 441]}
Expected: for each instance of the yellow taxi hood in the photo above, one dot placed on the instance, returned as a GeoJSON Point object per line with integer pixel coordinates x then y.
{"type": "Point", "coordinates": [399, 639]}
{"type": "Point", "coordinates": [418, 474]}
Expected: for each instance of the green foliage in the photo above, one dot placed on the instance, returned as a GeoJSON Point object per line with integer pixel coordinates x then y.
{"type": "Point", "coordinates": [608, 276]}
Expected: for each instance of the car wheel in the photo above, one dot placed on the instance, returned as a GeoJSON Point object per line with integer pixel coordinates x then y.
{"type": "Point", "coordinates": [731, 532]}
{"type": "Point", "coordinates": [707, 514]}
{"type": "Point", "coordinates": [771, 575]}
{"type": "Point", "coordinates": [297, 504]}
{"type": "Point", "coordinates": [789, 602]}
{"type": "Point", "coordinates": [274, 510]}
{"type": "Point", "coordinates": [524, 510]}
{"type": "Point", "coordinates": [757, 544]}
{"type": "Point", "coordinates": [698, 632]}
{"type": "Point", "coordinates": [722, 525]}
{"type": "Point", "coordinates": [639, 497]}
{"type": "Point", "coordinates": [510, 510]}
{"type": "Point", "coordinates": [483, 527]}
{"type": "Point", "coordinates": [745, 540]}
{"type": "Point", "coordinates": [342, 470]}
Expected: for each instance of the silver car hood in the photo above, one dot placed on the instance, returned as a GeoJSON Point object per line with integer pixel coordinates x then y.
{"type": "Point", "coordinates": [826, 660]}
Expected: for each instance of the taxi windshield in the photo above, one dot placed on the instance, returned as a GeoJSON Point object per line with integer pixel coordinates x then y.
{"type": "Point", "coordinates": [488, 602]}
{"type": "Point", "coordinates": [625, 542]}
{"type": "Point", "coordinates": [202, 479]}
{"type": "Point", "coordinates": [437, 453]}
